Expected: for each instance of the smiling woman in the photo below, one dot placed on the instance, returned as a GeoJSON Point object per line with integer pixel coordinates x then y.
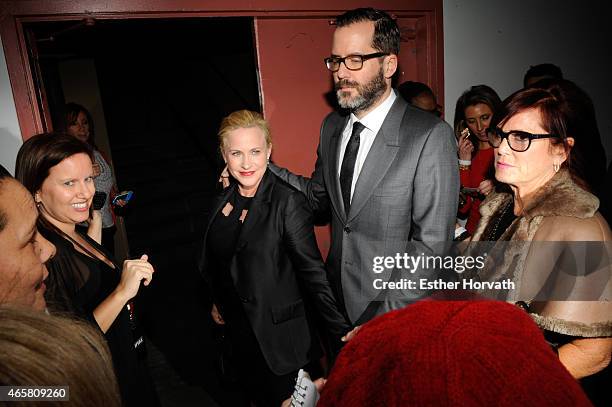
{"type": "Point", "coordinates": [66, 194]}
{"type": "Point", "coordinates": [84, 280]}
{"type": "Point", "coordinates": [260, 260]}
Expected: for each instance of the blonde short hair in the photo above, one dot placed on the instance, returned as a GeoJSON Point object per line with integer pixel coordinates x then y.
{"type": "Point", "coordinates": [241, 119]}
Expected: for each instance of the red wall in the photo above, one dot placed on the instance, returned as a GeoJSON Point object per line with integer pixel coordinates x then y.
{"type": "Point", "coordinates": [294, 82]}
{"type": "Point", "coordinates": [292, 39]}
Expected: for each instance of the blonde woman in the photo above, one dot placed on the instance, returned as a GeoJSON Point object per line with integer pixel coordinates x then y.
{"type": "Point", "coordinates": [261, 261]}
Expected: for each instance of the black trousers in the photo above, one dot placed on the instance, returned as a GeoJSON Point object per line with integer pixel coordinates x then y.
{"type": "Point", "coordinates": [256, 382]}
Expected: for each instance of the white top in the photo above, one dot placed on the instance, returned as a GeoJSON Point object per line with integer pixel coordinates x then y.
{"type": "Point", "coordinates": [373, 122]}
{"type": "Point", "coordinates": [104, 182]}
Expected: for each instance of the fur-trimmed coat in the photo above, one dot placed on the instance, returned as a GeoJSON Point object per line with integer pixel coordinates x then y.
{"type": "Point", "coordinates": [560, 211]}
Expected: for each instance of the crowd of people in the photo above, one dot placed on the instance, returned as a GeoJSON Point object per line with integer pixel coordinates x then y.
{"type": "Point", "coordinates": [390, 177]}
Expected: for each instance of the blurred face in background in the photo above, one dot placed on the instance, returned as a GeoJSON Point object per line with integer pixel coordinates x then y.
{"type": "Point", "coordinates": [80, 127]}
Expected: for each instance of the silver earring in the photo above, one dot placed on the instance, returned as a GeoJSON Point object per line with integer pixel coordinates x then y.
{"type": "Point", "coordinates": [556, 167]}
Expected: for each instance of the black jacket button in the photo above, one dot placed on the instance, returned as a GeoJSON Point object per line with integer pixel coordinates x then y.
{"type": "Point", "coordinates": [347, 229]}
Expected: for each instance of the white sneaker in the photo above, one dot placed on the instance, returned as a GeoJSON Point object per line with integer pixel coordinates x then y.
{"type": "Point", "coordinates": [305, 393]}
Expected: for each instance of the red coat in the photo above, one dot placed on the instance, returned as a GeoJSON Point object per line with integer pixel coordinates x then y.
{"type": "Point", "coordinates": [481, 169]}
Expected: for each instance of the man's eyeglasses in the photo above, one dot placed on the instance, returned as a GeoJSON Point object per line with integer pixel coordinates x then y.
{"type": "Point", "coordinates": [518, 140]}
{"type": "Point", "coordinates": [352, 62]}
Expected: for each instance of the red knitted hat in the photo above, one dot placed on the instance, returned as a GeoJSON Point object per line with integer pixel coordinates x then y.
{"type": "Point", "coordinates": [451, 353]}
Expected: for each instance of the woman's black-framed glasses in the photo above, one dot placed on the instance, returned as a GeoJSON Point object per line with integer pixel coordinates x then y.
{"type": "Point", "coordinates": [518, 140]}
{"type": "Point", "coordinates": [352, 62]}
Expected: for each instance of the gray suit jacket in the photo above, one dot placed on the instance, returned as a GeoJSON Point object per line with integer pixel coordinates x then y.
{"type": "Point", "coordinates": [405, 200]}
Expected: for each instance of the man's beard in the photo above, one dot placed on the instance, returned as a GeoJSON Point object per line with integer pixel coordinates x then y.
{"type": "Point", "coordinates": [367, 94]}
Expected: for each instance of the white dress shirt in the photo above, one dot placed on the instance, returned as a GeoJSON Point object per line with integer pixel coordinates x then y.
{"type": "Point", "coordinates": [373, 122]}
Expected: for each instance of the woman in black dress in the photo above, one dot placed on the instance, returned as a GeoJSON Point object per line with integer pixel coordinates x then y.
{"type": "Point", "coordinates": [263, 267]}
{"type": "Point", "coordinates": [84, 280]}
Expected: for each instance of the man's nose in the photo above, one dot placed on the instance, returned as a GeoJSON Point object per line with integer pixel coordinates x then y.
{"type": "Point", "coordinates": [343, 71]}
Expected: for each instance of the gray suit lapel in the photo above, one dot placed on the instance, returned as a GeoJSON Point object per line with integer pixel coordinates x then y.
{"type": "Point", "coordinates": [379, 158]}
{"type": "Point", "coordinates": [334, 151]}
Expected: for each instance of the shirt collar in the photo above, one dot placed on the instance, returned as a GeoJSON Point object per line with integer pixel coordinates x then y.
{"type": "Point", "coordinates": [373, 121]}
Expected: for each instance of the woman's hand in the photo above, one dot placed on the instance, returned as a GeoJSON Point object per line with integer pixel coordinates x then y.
{"type": "Point", "coordinates": [485, 187]}
{"type": "Point", "coordinates": [96, 169]}
{"type": "Point", "coordinates": [216, 315]}
{"type": "Point", "coordinates": [586, 356]}
{"type": "Point", "coordinates": [134, 271]}
{"type": "Point", "coordinates": [94, 230]}
{"type": "Point", "coordinates": [465, 149]}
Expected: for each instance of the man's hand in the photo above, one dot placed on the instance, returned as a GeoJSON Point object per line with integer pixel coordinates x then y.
{"type": "Point", "coordinates": [319, 384]}
{"type": "Point", "coordinates": [351, 334]}
{"type": "Point", "coordinates": [216, 315]}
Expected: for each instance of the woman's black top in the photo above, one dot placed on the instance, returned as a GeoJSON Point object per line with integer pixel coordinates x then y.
{"type": "Point", "coordinates": [222, 238]}
{"type": "Point", "coordinates": [76, 285]}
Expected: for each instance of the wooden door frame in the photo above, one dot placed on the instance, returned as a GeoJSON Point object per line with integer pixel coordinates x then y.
{"type": "Point", "coordinates": [14, 13]}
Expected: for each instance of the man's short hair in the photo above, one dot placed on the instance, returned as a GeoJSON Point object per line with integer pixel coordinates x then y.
{"type": "Point", "coordinates": [411, 89]}
{"type": "Point", "coordinates": [542, 71]}
{"type": "Point", "coordinates": [4, 175]}
{"type": "Point", "coordinates": [386, 31]}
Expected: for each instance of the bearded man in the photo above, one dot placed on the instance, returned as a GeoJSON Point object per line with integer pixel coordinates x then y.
{"type": "Point", "coordinates": [386, 175]}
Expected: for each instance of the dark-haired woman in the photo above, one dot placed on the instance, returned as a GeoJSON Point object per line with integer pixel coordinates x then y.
{"type": "Point", "coordinates": [84, 279]}
{"type": "Point", "coordinates": [475, 111]}
{"type": "Point", "coordinates": [534, 154]}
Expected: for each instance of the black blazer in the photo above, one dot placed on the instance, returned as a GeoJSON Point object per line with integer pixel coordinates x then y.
{"type": "Point", "coordinates": [276, 264]}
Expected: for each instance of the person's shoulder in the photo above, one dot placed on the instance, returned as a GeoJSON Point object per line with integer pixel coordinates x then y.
{"type": "Point", "coordinates": [422, 122]}
{"type": "Point", "coordinates": [99, 156]}
{"type": "Point", "coordinates": [335, 118]}
{"type": "Point", "coordinates": [284, 192]}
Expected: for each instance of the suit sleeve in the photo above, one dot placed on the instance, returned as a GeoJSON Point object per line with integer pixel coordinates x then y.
{"type": "Point", "coordinates": [434, 210]}
{"type": "Point", "coordinates": [302, 248]}
{"type": "Point", "coordinates": [314, 188]}
{"type": "Point", "coordinates": [436, 188]}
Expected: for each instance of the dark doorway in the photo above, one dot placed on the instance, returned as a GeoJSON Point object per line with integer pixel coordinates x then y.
{"type": "Point", "coordinates": [164, 86]}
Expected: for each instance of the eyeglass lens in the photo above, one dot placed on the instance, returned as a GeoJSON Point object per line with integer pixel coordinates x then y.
{"type": "Point", "coordinates": [516, 141]}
